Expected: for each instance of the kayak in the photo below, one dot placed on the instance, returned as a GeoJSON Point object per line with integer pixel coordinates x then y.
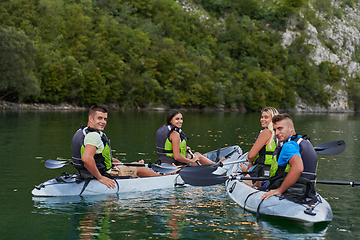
{"type": "Point", "coordinates": [249, 198]}
{"type": "Point", "coordinates": [231, 154]}
{"type": "Point", "coordinates": [68, 185]}
{"type": "Point", "coordinates": [71, 185]}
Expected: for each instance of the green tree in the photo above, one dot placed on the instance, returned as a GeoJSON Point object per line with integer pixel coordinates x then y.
{"type": "Point", "coordinates": [353, 88]}
{"type": "Point", "coordinates": [17, 54]}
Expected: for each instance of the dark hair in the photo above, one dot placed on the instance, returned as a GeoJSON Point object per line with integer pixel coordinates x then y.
{"type": "Point", "coordinates": [280, 117]}
{"type": "Point", "coordinates": [170, 115]}
{"type": "Point", "coordinates": [98, 108]}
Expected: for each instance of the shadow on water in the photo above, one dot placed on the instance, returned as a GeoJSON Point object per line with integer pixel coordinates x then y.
{"type": "Point", "coordinates": [292, 227]}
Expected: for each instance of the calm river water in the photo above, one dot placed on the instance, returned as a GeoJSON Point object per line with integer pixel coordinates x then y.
{"type": "Point", "coordinates": [29, 138]}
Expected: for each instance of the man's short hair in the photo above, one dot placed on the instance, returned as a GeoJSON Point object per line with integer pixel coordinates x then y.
{"type": "Point", "coordinates": [280, 117]}
{"type": "Point", "coordinates": [98, 108]}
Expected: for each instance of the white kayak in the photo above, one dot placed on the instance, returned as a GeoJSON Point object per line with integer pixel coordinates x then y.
{"type": "Point", "coordinates": [249, 198]}
{"type": "Point", "coordinates": [70, 185]}
{"type": "Point", "coordinates": [67, 185]}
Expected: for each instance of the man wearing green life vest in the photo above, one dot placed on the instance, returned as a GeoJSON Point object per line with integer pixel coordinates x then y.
{"type": "Point", "coordinates": [92, 152]}
{"type": "Point", "coordinates": [289, 161]}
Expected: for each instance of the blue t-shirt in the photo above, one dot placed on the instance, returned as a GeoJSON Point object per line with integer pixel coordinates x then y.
{"type": "Point", "coordinates": [289, 149]}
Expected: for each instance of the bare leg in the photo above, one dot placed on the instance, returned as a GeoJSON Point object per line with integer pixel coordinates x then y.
{"type": "Point", "coordinates": [146, 172]}
{"type": "Point", "coordinates": [202, 159]}
{"type": "Point", "coordinates": [244, 168]}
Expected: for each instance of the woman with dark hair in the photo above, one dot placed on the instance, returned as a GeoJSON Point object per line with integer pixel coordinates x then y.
{"type": "Point", "coordinates": [171, 143]}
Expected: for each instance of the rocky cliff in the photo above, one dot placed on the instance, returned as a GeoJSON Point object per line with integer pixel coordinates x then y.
{"type": "Point", "coordinates": [344, 35]}
{"type": "Point", "coordinates": [336, 39]}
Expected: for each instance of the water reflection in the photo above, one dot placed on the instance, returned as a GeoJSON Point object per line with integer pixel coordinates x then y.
{"type": "Point", "coordinates": [188, 212]}
{"type": "Point", "coordinates": [174, 218]}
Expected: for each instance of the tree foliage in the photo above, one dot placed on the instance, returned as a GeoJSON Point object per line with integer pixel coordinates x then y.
{"type": "Point", "coordinates": [17, 52]}
{"type": "Point", "coordinates": [138, 52]}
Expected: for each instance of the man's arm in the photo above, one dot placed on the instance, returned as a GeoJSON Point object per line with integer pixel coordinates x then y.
{"type": "Point", "coordinates": [293, 175]}
{"type": "Point", "coordinates": [89, 162]}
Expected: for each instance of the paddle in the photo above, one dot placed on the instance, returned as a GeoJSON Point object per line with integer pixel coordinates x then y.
{"type": "Point", "coordinates": [202, 180]}
{"type": "Point", "coordinates": [331, 148]}
{"type": "Point", "coordinates": [164, 168]}
{"type": "Point", "coordinates": [192, 156]}
{"type": "Point", "coordinates": [336, 182]}
{"type": "Point", "coordinates": [53, 164]}
{"type": "Point", "coordinates": [328, 148]}
{"type": "Point", "coordinates": [169, 168]}
{"type": "Point", "coordinates": [211, 168]}
{"type": "Point", "coordinates": [213, 179]}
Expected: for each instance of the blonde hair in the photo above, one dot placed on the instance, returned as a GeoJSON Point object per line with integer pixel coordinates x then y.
{"type": "Point", "coordinates": [273, 112]}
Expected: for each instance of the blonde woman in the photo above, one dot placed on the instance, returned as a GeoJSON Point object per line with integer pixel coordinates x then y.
{"type": "Point", "coordinates": [260, 155]}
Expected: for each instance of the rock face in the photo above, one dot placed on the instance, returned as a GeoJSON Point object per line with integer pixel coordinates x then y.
{"type": "Point", "coordinates": [344, 35]}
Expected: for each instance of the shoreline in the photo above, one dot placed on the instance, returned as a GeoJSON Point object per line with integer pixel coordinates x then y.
{"type": "Point", "coordinates": [301, 108]}
{"type": "Point", "coordinates": [4, 105]}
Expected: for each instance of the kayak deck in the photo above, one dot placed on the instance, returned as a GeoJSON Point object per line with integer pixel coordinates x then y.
{"type": "Point", "coordinates": [68, 186]}
{"type": "Point", "coordinates": [249, 198]}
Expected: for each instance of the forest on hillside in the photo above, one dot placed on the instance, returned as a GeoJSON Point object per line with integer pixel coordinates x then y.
{"type": "Point", "coordinates": [136, 52]}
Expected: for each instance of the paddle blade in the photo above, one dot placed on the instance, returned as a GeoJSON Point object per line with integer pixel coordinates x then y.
{"type": "Point", "coordinates": [202, 180]}
{"type": "Point", "coordinates": [331, 148]}
{"type": "Point", "coordinates": [164, 169]}
{"type": "Point", "coordinates": [53, 164]}
{"type": "Point", "coordinates": [202, 169]}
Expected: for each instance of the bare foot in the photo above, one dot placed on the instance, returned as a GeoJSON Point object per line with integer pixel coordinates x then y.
{"type": "Point", "coordinates": [141, 161]}
{"type": "Point", "coordinates": [243, 168]}
{"type": "Point", "coordinates": [248, 182]}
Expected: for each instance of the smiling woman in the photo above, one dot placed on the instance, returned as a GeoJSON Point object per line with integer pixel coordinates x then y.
{"type": "Point", "coordinates": [171, 143]}
{"type": "Point", "coordinates": [265, 142]}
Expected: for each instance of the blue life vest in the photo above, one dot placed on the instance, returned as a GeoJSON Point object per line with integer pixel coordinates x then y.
{"type": "Point", "coordinates": [308, 156]}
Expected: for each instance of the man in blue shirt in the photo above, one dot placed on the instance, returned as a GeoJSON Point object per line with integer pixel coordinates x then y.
{"type": "Point", "coordinates": [289, 160]}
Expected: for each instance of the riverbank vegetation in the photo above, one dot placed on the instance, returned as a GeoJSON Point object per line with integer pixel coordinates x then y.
{"type": "Point", "coordinates": [132, 53]}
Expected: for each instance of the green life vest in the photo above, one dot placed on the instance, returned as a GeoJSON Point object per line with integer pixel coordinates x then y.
{"type": "Point", "coordinates": [164, 146]}
{"type": "Point", "coordinates": [103, 160]}
{"type": "Point", "coordinates": [265, 155]}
